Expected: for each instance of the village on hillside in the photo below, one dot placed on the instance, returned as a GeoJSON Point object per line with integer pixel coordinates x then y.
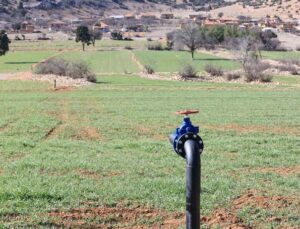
{"type": "Point", "coordinates": [144, 25]}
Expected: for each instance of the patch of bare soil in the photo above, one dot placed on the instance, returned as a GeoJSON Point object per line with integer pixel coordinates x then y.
{"type": "Point", "coordinates": [283, 171]}
{"type": "Point", "coordinates": [228, 218]}
{"type": "Point", "coordinates": [255, 128]}
{"type": "Point", "coordinates": [88, 133]}
{"type": "Point", "coordinates": [61, 81]}
{"type": "Point", "coordinates": [115, 217]}
{"type": "Point", "coordinates": [95, 175]}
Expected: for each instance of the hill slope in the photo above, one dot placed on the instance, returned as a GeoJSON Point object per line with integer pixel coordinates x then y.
{"type": "Point", "coordinates": [16, 10]}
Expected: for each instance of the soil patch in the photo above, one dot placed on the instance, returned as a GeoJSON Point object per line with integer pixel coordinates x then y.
{"type": "Point", "coordinates": [88, 133]}
{"type": "Point", "coordinates": [116, 217]}
{"type": "Point", "coordinates": [60, 81]}
{"type": "Point", "coordinates": [85, 173]}
{"type": "Point", "coordinates": [283, 171]}
{"type": "Point", "coordinates": [229, 219]}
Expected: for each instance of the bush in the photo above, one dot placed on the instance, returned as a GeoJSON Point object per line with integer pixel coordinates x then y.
{"type": "Point", "coordinates": [254, 70]}
{"type": "Point", "coordinates": [154, 46]}
{"type": "Point", "coordinates": [148, 69]}
{"type": "Point", "coordinates": [233, 76]}
{"type": "Point", "coordinates": [61, 67]}
{"type": "Point", "coordinates": [213, 71]}
{"type": "Point", "coordinates": [188, 71]}
{"type": "Point", "coordinates": [265, 78]}
{"type": "Point", "coordinates": [298, 48]}
{"type": "Point", "coordinates": [291, 62]}
{"type": "Point", "coordinates": [290, 66]}
{"type": "Point", "coordinates": [128, 47]}
{"type": "Point", "coordinates": [116, 35]}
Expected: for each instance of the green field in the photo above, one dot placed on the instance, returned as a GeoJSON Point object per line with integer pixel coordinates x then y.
{"type": "Point", "coordinates": [22, 60]}
{"type": "Point", "coordinates": [105, 147]}
{"type": "Point", "coordinates": [55, 45]}
{"type": "Point", "coordinates": [99, 156]}
{"type": "Point", "coordinates": [166, 61]}
{"type": "Point", "coordinates": [106, 61]}
{"type": "Point", "coordinates": [276, 55]}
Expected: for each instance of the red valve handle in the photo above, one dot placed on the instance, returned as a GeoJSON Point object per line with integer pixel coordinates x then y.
{"type": "Point", "coordinates": [187, 112]}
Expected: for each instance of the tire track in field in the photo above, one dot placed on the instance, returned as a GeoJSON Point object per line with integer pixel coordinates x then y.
{"type": "Point", "coordinates": [70, 122]}
{"type": "Point", "coordinates": [63, 117]}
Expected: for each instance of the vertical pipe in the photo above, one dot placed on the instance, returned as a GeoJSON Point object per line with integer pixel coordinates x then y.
{"type": "Point", "coordinates": [191, 148]}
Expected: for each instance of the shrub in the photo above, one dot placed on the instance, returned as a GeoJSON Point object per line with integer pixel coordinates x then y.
{"type": "Point", "coordinates": [55, 66]}
{"type": "Point", "coordinates": [213, 71]}
{"type": "Point", "coordinates": [233, 76]}
{"type": "Point", "coordinates": [254, 70]}
{"type": "Point", "coordinates": [188, 71]}
{"type": "Point", "coordinates": [291, 62]}
{"type": "Point", "coordinates": [116, 35]}
{"type": "Point", "coordinates": [265, 78]}
{"type": "Point", "coordinates": [289, 66]}
{"type": "Point", "coordinates": [298, 48]}
{"type": "Point", "coordinates": [154, 46]}
{"type": "Point", "coordinates": [148, 69]}
{"type": "Point", "coordinates": [61, 67]}
{"type": "Point", "coordinates": [128, 47]}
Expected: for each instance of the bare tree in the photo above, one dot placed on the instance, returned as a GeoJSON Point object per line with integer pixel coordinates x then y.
{"type": "Point", "coordinates": [247, 51]}
{"type": "Point", "coordinates": [245, 48]}
{"type": "Point", "coordinates": [191, 37]}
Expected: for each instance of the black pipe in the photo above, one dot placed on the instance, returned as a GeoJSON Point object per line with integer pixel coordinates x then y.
{"type": "Point", "coordinates": [193, 176]}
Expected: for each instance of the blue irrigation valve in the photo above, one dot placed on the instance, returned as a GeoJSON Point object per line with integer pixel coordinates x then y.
{"type": "Point", "coordinates": [187, 131]}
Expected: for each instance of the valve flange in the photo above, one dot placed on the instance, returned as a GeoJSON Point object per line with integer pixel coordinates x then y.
{"type": "Point", "coordinates": [187, 131]}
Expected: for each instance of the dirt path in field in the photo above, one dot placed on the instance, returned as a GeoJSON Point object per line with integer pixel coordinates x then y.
{"type": "Point", "coordinates": [136, 60]}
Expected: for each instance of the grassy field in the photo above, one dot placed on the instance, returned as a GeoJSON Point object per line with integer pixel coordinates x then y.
{"type": "Point", "coordinates": [276, 55]}
{"type": "Point", "coordinates": [22, 60]}
{"type": "Point", "coordinates": [55, 45]}
{"type": "Point", "coordinates": [85, 156]}
{"type": "Point", "coordinates": [166, 61]}
{"type": "Point", "coordinates": [106, 61]}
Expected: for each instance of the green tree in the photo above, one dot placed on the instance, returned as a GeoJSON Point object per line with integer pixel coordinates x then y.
{"type": "Point", "coordinates": [4, 43]}
{"type": "Point", "coordinates": [83, 35]}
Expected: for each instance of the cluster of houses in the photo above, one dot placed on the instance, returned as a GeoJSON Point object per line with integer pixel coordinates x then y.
{"type": "Point", "coordinates": [139, 23]}
{"type": "Point", "coordinates": [263, 23]}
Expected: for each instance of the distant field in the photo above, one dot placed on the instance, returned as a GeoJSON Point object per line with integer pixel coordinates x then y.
{"type": "Point", "coordinates": [275, 55]}
{"type": "Point", "coordinates": [84, 157]}
{"type": "Point", "coordinates": [171, 61]}
{"type": "Point", "coordinates": [22, 60]}
{"type": "Point", "coordinates": [72, 45]}
{"type": "Point", "coordinates": [106, 61]}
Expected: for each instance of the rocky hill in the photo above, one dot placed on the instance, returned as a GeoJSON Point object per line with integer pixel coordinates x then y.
{"type": "Point", "coordinates": [16, 10]}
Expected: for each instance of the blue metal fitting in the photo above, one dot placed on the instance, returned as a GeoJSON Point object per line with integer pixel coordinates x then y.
{"type": "Point", "coordinates": [185, 132]}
